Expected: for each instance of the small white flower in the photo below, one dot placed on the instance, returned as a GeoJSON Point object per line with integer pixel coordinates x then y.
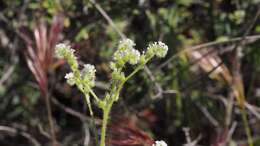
{"type": "Point", "coordinates": [113, 66]}
{"type": "Point", "coordinates": [69, 75]}
{"type": "Point", "coordinates": [119, 55]}
{"type": "Point", "coordinates": [157, 48]}
{"type": "Point", "coordinates": [163, 49]}
{"type": "Point", "coordinates": [126, 52]}
{"type": "Point", "coordinates": [160, 143]}
{"type": "Point", "coordinates": [61, 45]}
{"type": "Point", "coordinates": [134, 56]}
{"type": "Point", "coordinates": [61, 50]}
{"type": "Point", "coordinates": [90, 69]}
{"type": "Point", "coordinates": [88, 73]}
{"type": "Point", "coordinates": [70, 78]}
{"type": "Point", "coordinates": [126, 44]}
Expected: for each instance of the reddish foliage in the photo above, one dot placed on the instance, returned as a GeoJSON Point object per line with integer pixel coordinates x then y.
{"type": "Point", "coordinates": [126, 133]}
{"type": "Point", "coordinates": [149, 116]}
{"type": "Point", "coordinates": [40, 49]}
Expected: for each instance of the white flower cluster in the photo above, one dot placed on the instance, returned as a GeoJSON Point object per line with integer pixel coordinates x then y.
{"type": "Point", "coordinates": [62, 50]}
{"type": "Point", "coordinates": [70, 78]}
{"type": "Point", "coordinates": [157, 48]}
{"type": "Point", "coordinates": [88, 74]}
{"type": "Point", "coordinates": [134, 56]}
{"type": "Point", "coordinates": [126, 52]}
{"type": "Point", "coordinates": [126, 43]}
{"type": "Point", "coordinates": [160, 143]}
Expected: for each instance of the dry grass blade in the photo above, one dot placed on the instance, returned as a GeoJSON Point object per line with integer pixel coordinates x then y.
{"type": "Point", "coordinates": [222, 74]}
{"type": "Point", "coordinates": [207, 63]}
{"type": "Point", "coordinates": [28, 136]}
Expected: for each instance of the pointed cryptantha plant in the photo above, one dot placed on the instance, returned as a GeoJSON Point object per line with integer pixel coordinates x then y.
{"type": "Point", "coordinates": [85, 79]}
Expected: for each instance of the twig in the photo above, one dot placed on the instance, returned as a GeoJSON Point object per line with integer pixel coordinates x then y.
{"type": "Point", "coordinates": [187, 134]}
{"type": "Point", "coordinates": [73, 112]}
{"type": "Point", "coordinates": [188, 138]}
{"type": "Point", "coordinates": [76, 114]}
{"type": "Point", "coordinates": [212, 120]}
{"type": "Point", "coordinates": [70, 110]}
{"type": "Point", "coordinates": [101, 85]}
{"type": "Point", "coordinates": [105, 15]}
{"type": "Point", "coordinates": [7, 74]}
{"type": "Point", "coordinates": [229, 108]}
{"type": "Point", "coordinates": [43, 132]}
{"type": "Point", "coordinates": [227, 49]}
{"type": "Point", "coordinates": [231, 131]}
{"type": "Point", "coordinates": [251, 108]}
{"type": "Point", "coordinates": [157, 85]}
{"type": "Point", "coordinates": [205, 45]}
{"type": "Point", "coordinates": [46, 134]}
{"type": "Point", "coordinates": [170, 92]}
{"type": "Point", "coordinates": [22, 133]}
{"type": "Point", "coordinates": [87, 136]}
{"type": "Point", "coordinates": [254, 110]}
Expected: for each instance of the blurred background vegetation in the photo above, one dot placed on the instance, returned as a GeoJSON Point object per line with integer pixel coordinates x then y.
{"type": "Point", "coordinates": [187, 98]}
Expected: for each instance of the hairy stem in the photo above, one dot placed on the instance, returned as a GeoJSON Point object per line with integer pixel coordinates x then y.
{"type": "Point", "coordinates": [106, 112]}
{"type": "Point", "coordinates": [137, 69]}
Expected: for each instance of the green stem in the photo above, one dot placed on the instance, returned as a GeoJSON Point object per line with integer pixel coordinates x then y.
{"type": "Point", "coordinates": [91, 111]}
{"type": "Point", "coordinates": [93, 94]}
{"type": "Point", "coordinates": [247, 128]}
{"type": "Point", "coordinates": [106, 112]}
{"type": "Point", "coordinates": [94, 128]}
{"type": "Point", "coordinates": [107, 107]}
{"type": "Point", "coordinates": [134, 72]}
{"type": "Point", "coordinates": [137, 69]}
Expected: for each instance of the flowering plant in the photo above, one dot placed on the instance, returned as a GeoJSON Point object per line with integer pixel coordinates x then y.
{"type": "Point", "coordinates": [85, 79]}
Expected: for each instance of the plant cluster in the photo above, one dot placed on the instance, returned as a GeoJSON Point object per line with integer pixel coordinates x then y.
{"type": "Point", "coordinates": [85, 79]}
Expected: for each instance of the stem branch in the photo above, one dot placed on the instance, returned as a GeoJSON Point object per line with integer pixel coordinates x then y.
{"type": "Point", "coordinates": [106, 112]}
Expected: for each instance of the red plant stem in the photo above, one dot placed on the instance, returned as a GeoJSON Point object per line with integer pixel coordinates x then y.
{"type": "Point", "coordinates": [49, 114]}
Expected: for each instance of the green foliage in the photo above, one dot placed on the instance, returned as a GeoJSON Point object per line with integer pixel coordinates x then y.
{"type": "Point", "coordinates": [181, 24]}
